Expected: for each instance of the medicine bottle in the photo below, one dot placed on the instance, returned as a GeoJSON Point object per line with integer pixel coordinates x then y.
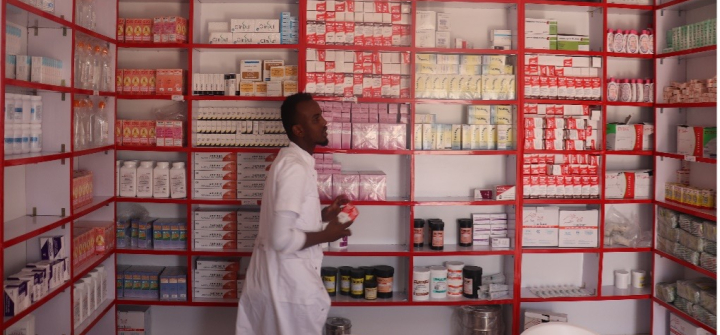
{"type": "Point", "coordinates": [36, 106]}
{"type": "Point", "coordinates": [128, 179]}
{"type": "Point", "coordinates": [437, 234]}
{"type": "Point", "coordinates": [161, 180]}
{"type": "Point", "coordinates": [18, 115]}
{"type": "Point", "coordinates": [472, 279]}
{"type": "Point", "coordinates": [9, 138]}
{"type": "Point", "coordinates": [418, 233]}
{"type": "Point", "coordinates": [345, 280]}
{"type": "Point", "coordinates": [35, 137]}
{"type": "Point", "coordinates": [25, 109]}
{"type": "Point", "coordinates": [9, 108]}
{"type": "Point", "coordinates": [371, 290]}
{"type": "Point", "coordinates": [17, 138]}
{"type": "Point", "coordinates": [357, 278]}
{"type": "Point", "coordinates": [118, 165]}
{"type": "Point", "coordinates": [465, 232]}
{"type": "Point", "coordinates": [384, 277]}
{"type": "Point", "coordinates": [329, 278]}
{"type": "Point", "coordinates": [421, 283]}
{"type": "Point", "coordinates": [438, 282]}
{"type": "Point", "coordinates": [455, 278]}
{"type": "Point", "coordinates": [178, 181]}
{"type": "Point", "coordinates": [369, 272]}
{"type": "Point", "coordinates": [145, 180]}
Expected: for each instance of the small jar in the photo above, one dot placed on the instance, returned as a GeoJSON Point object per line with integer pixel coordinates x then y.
{"type": "Point", "coordinates": [369, 272]}
{"type": "Point", "coordinates": [472, 279]}
{"type": "Point", "coordinates": [421, 283]}
{"type": "Point", "coordinates": [418, 233]}
{"type": "Point", "coordinates": [384, 278]}
{"type": "Point", "coordinates": [357, 278]}
{"type": "Point", "coordinates": [465, 232]}
{"type": "Point", "coordinates": [345, 280]}
{"type": "Point", "coordinates": [437, 235]}
{"type": "Point", "coordinates": [371, 290]}
{"type": "Point", "coordinates": [329, 278]}
{"type": "Point", "coordinates": [438, 282]}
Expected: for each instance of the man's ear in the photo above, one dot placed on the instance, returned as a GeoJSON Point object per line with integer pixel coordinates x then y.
{"type": "Point", "coordinates": [297, 131]}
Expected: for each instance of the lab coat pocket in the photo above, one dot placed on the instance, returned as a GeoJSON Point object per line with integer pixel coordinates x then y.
{"type": "Point", "coordinates": [297, 281]}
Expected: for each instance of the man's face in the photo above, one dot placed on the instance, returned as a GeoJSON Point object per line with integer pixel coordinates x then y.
{"type": "Point", "coordinates": [313, 125]}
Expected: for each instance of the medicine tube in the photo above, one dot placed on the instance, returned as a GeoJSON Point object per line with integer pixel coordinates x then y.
{"type": "Point", "coordinates": [418, 233]}
{"type": "Point", "coordinates": [437, 233]}
{"type": "Point", "coordinates": [329, 278]}
{"type": "Point", "coordinates": [345, 280]}
{"type": "Point", "coordinates": [465, 232]}
{"type": "Point", "coordinates": [357, 278]}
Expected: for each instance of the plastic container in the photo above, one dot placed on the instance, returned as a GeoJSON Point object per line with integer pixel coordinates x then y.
{"type": "Point", "coordinates": [35, 137]}
{"type": "Point", "coordinates": [645, 47]}
{"type": "Point", "coordinates": [26, 106]}
{"type": "Point", "coordinates": [610, 37]}
{"type": "Point", "coordinates": [384, 276]}
{"type": "Point", "coordinates": [17, 138]}
{"type": "Point", "coordinates": [421, 283]}
{"type": "Point", "coordinates": [9, 137]}
{"type": "Point", "coordinates": [619, 41]}
{"type": "Point", "coordinates": [118, 166]}
{"type": "Point", "coordinates": [613, 90]}
{"type": "Point", "coordinates": [455, 278]}
{"type": "Point", "coordinates": [18, 116]}
{"type": "Point", "coordinates": [161, 180]}
{"type": "Point", "coordinates": [438, 282]}
{"type": "Point", "coordinates": [437, 235]}
{"type": "Point", "coordinates": [371, 289]}
{"type": "Point", "coordinates": [632, 42]}
{"type": "Point", "coordinates": [345, 279]}
{"type": "Point", "coordinates": [329, 278]}
{"type": "Point", "coordinates": [465, 232]}
{"type": "Point", "coordinates": [178, 182]}
{"type": "Point", "coordinates": [128, 179]}
{"type": "Point", "coordinates": [472, 279]}
{"type": "Point", "coordinates": [145, 179]}
{"type": "Point", "coordinates": [357, 278]}
{"type": "Point", "coordinates": [36, 109]}
{"type": "Point", "coordinates": [9, 108]}
{"type": "Point", "coordinates": [418, 233]}
{"type": "Point", "coordinates": [625, 91]}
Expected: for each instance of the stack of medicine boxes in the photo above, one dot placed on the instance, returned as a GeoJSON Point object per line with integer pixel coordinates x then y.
{"type": "Point", "coordinates": [490, 227]}
{"type": "Point", "coordinates": [214, 176]}
{"type": "Point", "coordinates": [226, 229]}
{"type": "Point", "coordinates": [551, 227]}
{"type": "Point", "coordinates": [252, 170]}
{"type": "Point", "coordinates": [217, 278]}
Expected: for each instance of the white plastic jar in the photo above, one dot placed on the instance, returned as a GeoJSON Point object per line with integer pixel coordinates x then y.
{"type": "Point", "coordinates": [421, 283]}
{"type": "Point", "coordinates": [118, 166]}
{"type": "Point", "coordinates": [177, 181]}
{"type": "Point", "coordinates": [145, 179]}
{"type": "Point", "coordinates": [35, 137]}
{"type": "Point", "coordinates": [438, 282]}
{"type": "Point", "coordinates": [128, 179]}
{"type": "Point", "coordinates": [25, 133]}
{"type": "Point", "coordinates": [9, 107]}
{"type": "Point", "coordinates": [161, 180]}
{"type": "Point", "coordinates": [36, 106]}
{"type": "Point", "coordinates": [26, 103]}
{"type": "Point", "coordinates": [17, 138]}
{"type": "Point", "coordinates": [18, 115]}
{"type": "Point", "coordinates": [9, 137]}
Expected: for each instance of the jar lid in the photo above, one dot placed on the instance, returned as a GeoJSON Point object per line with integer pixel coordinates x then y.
{"type": "Point", "coordinates": [367, 270]}
{"type": "Point", "coordinates": [418, 223]}
{"type": "Point", "coordinates": [384, 271]}
{"type": "Point", "coordinates": [465, 223]}
{"type": "Point", "coordinates": [421, 269]}
{"type": "Point", "coordinates": [437, 225]}
{"type": "Point", "coordinates": [357, 273]}
{"type": "Point", "coordinates": [345, 270]}
{"type": "Point", "coordinates": [328, 271]}
{"type": "Point", "coordinates": [372, 283]}
{"type": "Point", "coordinates": [471, 270]}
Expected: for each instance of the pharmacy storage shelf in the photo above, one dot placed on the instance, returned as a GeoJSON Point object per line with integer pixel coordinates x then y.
{"type": "Point", "coordinates": [34, 158]}
{"type": "Point", "coordinates": [89, 264]}
{"type": "Point", "coordinates": [465, 152]}
{"type": "Point", "coordinates": [398, 299]}
{"type": "Point", "coordinates": [232, 47]}
{"type": "Point", "coordinates": [628, 201]}
{"type": "Point", "coordinates": [465, 102]}
{"type": "Point", "coordinates": [687, 105]}
{"type": "Point", "coordinates": [231, 98]}
{"type": "Point", "coordinates": [610, 292]}
{"type": "Point", "coordinates": [563, 201]}
{"type": "Point", "coordinates": [707, 214]}
{"type": "Point", "coordinates": [152, 97]}
{"type": "Point", "coordinates": [152, 200]}
{"type": "Point", "coordinates": [684, 315]}
{"type": "Point", "coordinates": [151, 302]}
{"type": "Point", "coordinates": [626, 7]}
{"type": "Point", "coordinates": [538, 250]}
{"type": "Point", "coordinates": [91, 151]}
{"type": "Point", "coordinates": [624, 249]}
{"type": "Point", "coordinates": [27, 227]}
{"type": "Point", "coordinates": [44, 19]}
{"type": "Point", "coordinates": [455, 51]}
{"type": "Point", "coordinates": [129, 45]}
{"type": "Point", "coordinates": [362, 151]}
{"type": "Point", "coordinates": [121, 251]}
{"type": "Point", "coordinates": [97, 203]}
{"type": "Point", "coordinates": [629, 153]}
{"type": "Point", "coordinates": [688, 158]}
{"type": "Point", "coordinates": [369, 250]}
{"type": "Point", "coordinates": [96, 93]}
{"type": "Point", "coordinates": [151, 148]}
{"type": "Point", "coordinates": [627, 55]}
{"type": "Point", "coordinates": [94, 318]}
{"type": "Point", "coordinates": [563, 52]}
{"type": "Point", "coordinates": [9, 321]}
{"type": "Point", "coordinates": [679, 5]}
{"type": "Point", "coordinates": [38, 86]}
{"type": "Point", "coordinates": [629, 104]}
{"type": "Point", "coordinates": [455, 250]}
{"type": "Point", "coordinates": [462, 301]}
{"type": "Point", "coordinates": [688, 265]}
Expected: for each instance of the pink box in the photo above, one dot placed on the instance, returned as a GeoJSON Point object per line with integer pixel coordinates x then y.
{"type": "Point", "coordinates": [347, 184]}
{"type": "Point", "coordinates": [392, 136]}
{"type": "Point", "coordinates": [335, 135]}
{"type": "Point", "coordinates": [346, 132]}
{"type": "Point", "coordinates": [388, 118]}
{"type": "Point", "coordinates": [365, 136]}
{"type": "Point", "coordinates": [373, 186]}
{"type": "Point", "coordinates": [325, 186]}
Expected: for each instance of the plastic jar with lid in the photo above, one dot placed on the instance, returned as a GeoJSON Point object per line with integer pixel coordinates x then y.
{"type": "Point", "coordinates": [9, 108]}
{"type": "Point", "coordinates": [345, 279]}
{"type": "Point", "coordinates": [178, 182]}
{"type": "Point", "coordinates": [384, 276]}
{"type": "Point", "coordinates": [418, 233]}
{"type": "Point", "coordinates": [36, 107]}
{"type": "Point", "coordinates": [128, 179]}
{"type": "Point", "coordinates": [369, 272]}
{"type": "Point", "coordinates": [357, 279]}
{"type": "Point", "coordinates": [633, 42]}
{"type": "Point", "coordinates": [438, 282]}
{"type": "Point", "coordinates": [26, 108]}
{"type": "Point", "coordinates": [145, 179]}
{"type": "Point", "coordinates": [421, 283]}
{"type": "Point", "coordinates": [472, 279]}
{"type": "Point", "coordinates": [613, 90]}
{"type": "Point", "coordinates": [455, 278]}
{"type": "Point", "coordinates": [329, 278]}
{"type": "Point", "coordinates": [35, 137]}
{"type": "Point", "coordinates": [465, 232]}
{"type": "Point", "coordinates": [371, 289]}
{"type": "Point", "coordinates": [625, 91]}
{"type": "Point", "coordinates": [18, 115]}
{"type": "Point", "coordinates": [161, 180]}
{"type": "Point", "coordinates": [9, 137]}
{"type": "Point", "coordinates": [610, 37]}
{"type": "Point", "coordinates": [17, 138]}
{"type": "Point", "coordinates": [437, 235]}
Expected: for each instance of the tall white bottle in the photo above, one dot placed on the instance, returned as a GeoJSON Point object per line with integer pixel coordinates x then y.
{"type": "Point", "coordinates": [178, 187]}
{"type": "Point", "coordinates": [145, 179]}
{"type": "Point", "coordinates": [128, 179]}
{"type": "Point", "coordinates": [161, 180]}
{"type": "Point", "coordinates": [118, 166]}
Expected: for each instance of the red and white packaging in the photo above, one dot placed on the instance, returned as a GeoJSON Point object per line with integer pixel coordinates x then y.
{"type": "Point", "coordinates": [348, 213]}
{"type": "Point", "coordinates": [628, 184]}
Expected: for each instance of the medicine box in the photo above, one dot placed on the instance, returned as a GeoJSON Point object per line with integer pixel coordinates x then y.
{"type": "Point", "coordinates": [133, 320]}
{"type": "Point", "coordinates": [629, 136]}
{"type": "Point", "coordinates": [500, 242]}
{"type": "Point", "coordinates": [578, 228]}
{"type": "Point", "coordinates": [697, 141]}
{"type": "Point", "coordinates": [215, 225]}
{"type": "Point", "coordinates": [542, 42]}
{"type": "Point", "coordinates": [678, 326]}
{"type": "Point", "coordinates": [214, 275]}
{"type": "Point", "coordinates": [635, 184]}
{"type": "Point", "coordinates": [214, 193]}
{"type": "Point", "coordinates": [534, 318]}
{"type": "Point", "coordinates": [540, 26]}
{"type": "Point", "coordinates": [215, 184]}
{"type": "Point", "coordinates": [215, 293]}
{"type": "Point", "coordinates": [226, 216]}
{"type": "Point", "coordinates": [217, 264]}
{"type": "Point", "coordinates": [213, 234]}
{"type": "Point", "coordinates": [202, 157]}
{"type": "Point", "coordinates": [216, 284]}
{"type": "Point", "coordinates": [573, 42]}
{"type": "Point", "coordinates": [215, 244]}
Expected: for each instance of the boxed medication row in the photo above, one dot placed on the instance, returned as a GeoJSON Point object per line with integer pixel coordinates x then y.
{"type": "Point", "coordinates": [142, 81]}
{"type": "Point", "coordinates": [241, 140]}
{"type": "Point", "coordinates": [368, 136]}
{"type": "Point", "coordinates": [238, 113]}
{"type": "Point", "coordinates": [692, 91]}
{"type": "Point", "coordinates": [629, 136]}
{"type": "Point", "coordinates": [89, 293]}
{"type": "Point", "coordinates": [573, 88]}
{"type": "Point", "coordinates": [360, 186]}
{"type": "Point", "coordinates": [361, 85]}
{"type": "Point", "coordinates": [482, 87]}
{"type": "Point", "coordinates": [691, 196]}
{"type": "Point", "coordinates": [148, 233]}
{"type": "Point", "coordinates": [82, 193]}
{"type": "Point", "coordinates": [691, 36]}
{"type": "Point", "coordinates": [239, 127]}
{"type": "Point", "coordinates": [226, 215]}
{"type": "Point", "coordinates": [697, 141]}
{"type": "Point", "coordinates": [628, 184]}
{"type": "Point", "coordinates": [161, 133]}
{"type": "Point", "coordinates": [558, 187]}
{"type": "Point", "coordinates": [151, 282]}
{"type": "Point", "coordinates": [255, 31]}
{"type": "Point", "coordinates": [463, 137]}
{"type": "Point", "coordinates": [361, 32]}
{"type": "Point", "coordinates": [32, 283]}
{"type": "Point", "coordinates": [566, 110]}
{"type": "Point", "coordinates": [551, 227]}
{"type": "Point", "coordinates": [133, 319]}
{"type": "Point", "coordinates": [160, 29]}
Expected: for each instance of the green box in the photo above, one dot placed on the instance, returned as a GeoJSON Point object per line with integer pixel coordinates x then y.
{"type": "Point", "coordinates": [573, 42]}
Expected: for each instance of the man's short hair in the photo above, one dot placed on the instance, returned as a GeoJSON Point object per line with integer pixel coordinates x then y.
{"type": "Point", "coordinates": [288, 110]}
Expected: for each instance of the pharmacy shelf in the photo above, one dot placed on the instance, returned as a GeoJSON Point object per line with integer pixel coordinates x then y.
{"type": "Point", "coordinates": [237, 47]}
{"type": "Point", "coordinates": [705, 51]}
{"type": "Point", "coordinates": [359, 48]}
{"type": "Point", "coordinates": [398, 299]}
{"type": "Point", "coordinates": [625, 7]}
{"type": "Point", "coordinates": [460, 201]}
{"type": "Point", "coordinates": [462, 301]}
{"type": "Point", "coordinates": [38, 86]}
{"type": "Point", "coordinates": [151, 148]}
{"type": "Point", "coordinates": [683, 4]}
{"type": "Point", "coordinates": [26, 227]}
{"type": "Point", "coordinates": [152, 200]}
{"type": "Point", "coordinates": [97, 202]}
{"type": "Point", "coordinates": [224, 253]}
{"type": "Point", "coordinates": [527, 296]}
{"type": "Point", "coordinates": [688, 265]}
{"type": "Point", "coordinates": [465, 152]}
{"type": "Point", "coordinates": [629, 104]}
{"type": "Point", "coordinates": [455, 250]}
{"type": "Point", "coordinates": [96, 93]}
{"type": "Point", "coordinates": [563, 201]}
{"type": "Point", "coordinates": [558, 250]}
{"type": "Point", "coordinates": [389, 202]}
{"type": "Point", "coordinates": [205, 302]}
{"type": "Point", "coordinates": [89, 264]}
{"type": "Point", "coordinates": [627, 55]}
{"type": "Point", "coordinates": [707, 214]}
{"type": "Point", "coordinates": [94, 34]}
{"type": "Point", "coordinates": [610, 292]}
{"type": "Point", "coordinates": [371, 250]}
{"type": "Point", "coordinates": [687, 105]}
{"type": "Point", "coordinates": [34, 158]}
{"type": "Point", "coordinates": [43, 18]}
{"type": "Point", "coordinates": [629, 201]}
{"type": "Point", "coordinates": [465, 51]}
{"type": "Point", "coordinates": [151, 97]}
{"type": "Point", "coordinates": [140, 45]}
{"type": "Point", "coordinates": [366, 100]}
{"type": "Point", "coordinates": [563, 52]}
{"type": "Point", "coordinates": [91, 151]}
{"type": "Point", "coordinates": [617, 248]}
{"type": "Point", "coordinates": [465, 102]}
{"type": "Point", "coordinates": [232, 98]}
{"type": "Point", "coordinates": [150, 302]}
{"type": "Point", "coordinates": [564, 102]}
{"type": "Point", "coordinates": [227, 202]}
{"type": "Point", "coordinates": [684, 315]}
{"type": "Point", "coordinates": [563, 152]}
{"type": "Point", "coordinates": [236, 149]}
{"type": "Point", "coordinates": [629, 152]}
{"type": "Point", "coordinates": [179, 252]}
{"type": "Point", "coordinates": [94, 318]}
{"type": "Point", "coordinates": [362, 151]}
{"type": "Point", "coordinates": [11, 320]}
{"type": "Point", "coordinates": [688, 158]}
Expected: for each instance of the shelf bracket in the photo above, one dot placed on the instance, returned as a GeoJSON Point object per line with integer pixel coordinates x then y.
{"type": "Point", "coordinates": [661, 61]}
{"type": "Point", "coordinates": [62, 147]}
{"type": "Point", "coordinates": [106, 152]}
{"type": "Point", "coordinates": [34, 211]}
{"type": "Point", "coordinates": [62, 96]}
{"type": "Point", "coordinates": [662, 110]}
{"type": "Point", "coordinates": [62, 212]}
{"type": "Point", "coordinates": [662, 12]}
{"type": "Point", "coordinates": [64, 31]}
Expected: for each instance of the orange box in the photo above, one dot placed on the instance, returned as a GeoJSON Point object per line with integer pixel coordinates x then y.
{"type": "Point", "coordinates": [152, 82]}
{"type": "Point", "coordinates": [135, 81]}
{"type": "Point", "coordinates": [170, 81]}
{"type": "Point", "coordinates": [145, 81]}
{"type": "Point", "coordinates": [146, 130]}
{"type": "Point", "coordinates": [175, 30]}
{"type": "Point", "coordinates": [120, 30]}
{"type": "Point", "coordinates": [158, 29]}
{"type": "Point", "coordinates": [127, 81]}
{"type": "Point", "coordinates": [160, 82]}
{"type": "Point", "coordinates": [137, 30]}
{"type": "Point", "coordinates": [146, 32]}
{"type": "Point", "coordinates": [129, 30]}
{"type": "Point", "coordinates": [119, 80]}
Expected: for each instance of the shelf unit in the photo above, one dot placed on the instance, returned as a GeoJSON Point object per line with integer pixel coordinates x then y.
{"type": "Point", "coordinates": [414, 203]}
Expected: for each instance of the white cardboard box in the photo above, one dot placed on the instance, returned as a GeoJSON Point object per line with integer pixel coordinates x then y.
{"type": "Point", "coordinates": [133, 320]}
{"type": "Point", "coordinates": [629, 136]}
{"type": "Point", "coordinates": [578, 228]}
{"type": "Point", "coordinates": [678, 326]}
{"type": "Point", "coordinates": [632, 184]}
{"type": "Point", "coordinates": [540, 226]}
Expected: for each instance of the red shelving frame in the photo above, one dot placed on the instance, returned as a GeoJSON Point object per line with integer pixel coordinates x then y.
{"type": "Point", "coordinates": [685, 316]}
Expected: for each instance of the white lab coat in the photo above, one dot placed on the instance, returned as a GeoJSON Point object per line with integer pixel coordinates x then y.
{"type": "Point", "coordinates": [283, 292]}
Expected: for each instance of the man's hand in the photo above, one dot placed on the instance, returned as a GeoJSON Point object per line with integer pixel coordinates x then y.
{"type": "Point", "coordinates": [332, 211]}
{"type": "Point", "coordinates": [333, 232]}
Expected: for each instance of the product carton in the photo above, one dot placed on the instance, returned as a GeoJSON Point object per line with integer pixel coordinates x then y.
{"type": "Point", "coordinates": [133, 320]}
{"type": "Point", "coordinates": [629, 136]}
{"type": "Point", "coordinates": [217, 264]}
{"type": "Point", "coordinates": [540, 226]}
{"type": "Point", "coordinates": [573, 42]}
{"type": "Point", "coordinates": [678, 326]}
{"type": "Point", "coordinates": [628, 184]}
{"type": "Point", "coordinates": [697, 141]}
{"type": "Point", "coordinates": [215, 244]}
{"type": "Point", "coordinates": [542, 42]}
{"type": "Point", "coordinates": [540, 26]}
{"type": "Point", "coordinates": [578, 228]}
{"type": "Point", "coordinates": [534, 318]}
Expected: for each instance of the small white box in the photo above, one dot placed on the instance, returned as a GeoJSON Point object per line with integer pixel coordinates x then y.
{"type": "Point", "coordinates": [632, 184]}
{"type": "Point", "coordinates": [219, 27]}
{"type": "Point", "coordinates": [267, 26]}
{"type": "Point", "coordinates": [442, 39]}
{"type": "Point", "coordinates": [242, 26]}
{"type": "Point", "coordinates": [426, 20]}
{"type": "Point", "coordinates": [217, 264]}
{"type": "Point", "coordinates": [500, 242]}
{"type": "Point", "coordinates": [425, 38]}
{"type": "Point", "coordinates": [501, 37]}
{"type": "Point", "coordinates": [534, 318]}
{"type": "Point", "coordinates": [213, 235]}
{"type": "Point", "coordinates": [221, 38]}
{"type": "Point", "coordinates": [443, 22]}
{"type": "Point", "coordinates": [578, 228]}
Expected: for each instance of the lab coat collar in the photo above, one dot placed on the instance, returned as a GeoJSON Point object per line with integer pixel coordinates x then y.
{"type": "Point", "coordinates": [304, 154]}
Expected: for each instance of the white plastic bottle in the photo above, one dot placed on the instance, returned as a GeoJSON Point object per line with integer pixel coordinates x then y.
{"type": "Point", "coordinates": [17, 139]}
{"type": "Point", "coordinates": [36, 106]}
{"type": "Point", "coordinates": [613, 90]}
{"type": "Point", "coordinates": [128, 179]}
{"type": "Point", "coordinates": [118, 166]}
{"type": "Point", "coordinates": [633, 42]}
{"type": "Point", "coordinates": [638, 90]}
{"type": "Point", "coordinates": [610, 37]}
{"type": "Point", "coordinates": [145, 179]}
{"type": "Point", "coordinates": [9, 137]}
{"type": "Point", "coordinates": [101, 126]}
{"type": "Point", "coordinates": [619, 41]}
{"type": "Point", "coordinates": [26, 104]}
{"type": "Point", "coordinates": [177, 181]}
{"type": "Point", "coordinates": [17, 118]}
{"type": "Point", "coordinates": [9, 108]}
{"type": "Point", "coordinates": [645, 47]}
{"type": "Point", "coordinates": [650, 87]}
{"type": "Point", "coordinates": [625, 90]}
{"type": "Point", "coordinates": [161, 180]}
{"type": "Point", "coordinates": [25, 134]}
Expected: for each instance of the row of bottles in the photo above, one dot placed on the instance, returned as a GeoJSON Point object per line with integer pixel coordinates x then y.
{"type": "Point", "coordinates": [85, 14]}
{"type": "Point", "coordinates": [20, 108]}
{"type": "Point", "coordinates": [93, 69]}
{"type": "Point", "coordinates": [150, 181]}
{"type": "Point", "coordinates": [91, 124]}
{"type": "Point", "coordinates": [23, 123]}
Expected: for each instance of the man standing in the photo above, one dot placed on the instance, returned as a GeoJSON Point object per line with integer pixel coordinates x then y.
{"type": "Point", "coordinates": [283, 292]}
